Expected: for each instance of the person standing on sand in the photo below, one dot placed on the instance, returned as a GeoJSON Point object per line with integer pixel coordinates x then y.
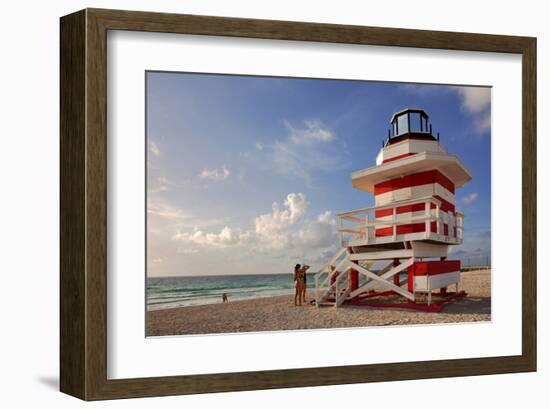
{"type": "Point", "coordinates": [304, 287]}
{"type": "Point", "coordinates": [299, 280]}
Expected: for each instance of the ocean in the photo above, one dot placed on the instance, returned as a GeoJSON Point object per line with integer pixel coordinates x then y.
{"type": "Point", "coordinates": [170, 292]}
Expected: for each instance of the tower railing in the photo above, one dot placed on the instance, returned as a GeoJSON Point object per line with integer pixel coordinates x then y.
{"type": "Point", "coordinates": [362, 227]}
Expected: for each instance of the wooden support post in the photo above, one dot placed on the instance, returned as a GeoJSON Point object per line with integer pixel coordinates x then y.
{"type": "Point", "coordinates": [396, 277]}
{"type": "Point", "coordinates": [427, 225]}
{"type": "Point", "coordinates": [394, 223]}
{"type": "Point", "coordinates": [353, 278]}
{"type": "Point", "coordinates": [367, 225]}
{"type": "Point", "coordinates": [443, 290]}
{"type": "Point", "coordinates": [437, 222]}
{"type": "Point", "coordinates": [410, 284]}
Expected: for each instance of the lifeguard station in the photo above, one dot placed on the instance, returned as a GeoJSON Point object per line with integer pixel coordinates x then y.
{"type": "Point", "coordinates": [410, 228]}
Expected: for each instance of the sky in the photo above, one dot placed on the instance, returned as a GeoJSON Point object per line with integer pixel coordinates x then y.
{"type": "Point", "coordinates": [246, 174]}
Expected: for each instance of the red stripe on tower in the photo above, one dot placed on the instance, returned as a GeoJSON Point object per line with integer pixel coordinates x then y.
{"type": "Point", "coordinates": [399, 157]}
{"type": "Point", "coordinates": [405, 229]}
{"type": "Point", "coordinates": [417, 207]}
{"type": "Point", "coordinates": [416, 179]}
{"type": "Point", "coordinates": [423, 268]}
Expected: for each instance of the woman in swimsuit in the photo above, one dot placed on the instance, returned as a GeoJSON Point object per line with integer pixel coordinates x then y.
{"type": "Point", "coordinates": [299, 279]}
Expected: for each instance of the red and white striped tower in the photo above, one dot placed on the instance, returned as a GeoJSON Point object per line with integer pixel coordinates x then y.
{"type": "Point", "coordinates": [411, 226]}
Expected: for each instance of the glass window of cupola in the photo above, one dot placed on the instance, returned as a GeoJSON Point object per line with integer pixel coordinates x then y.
{"type": "Point", "coordinates": [415, 122]}
{"type": "Point", "coordinates": [402, 124]}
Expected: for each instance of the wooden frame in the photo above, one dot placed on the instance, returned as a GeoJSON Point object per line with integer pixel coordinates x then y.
{"type": "Point", "coordinates": [83, 203]}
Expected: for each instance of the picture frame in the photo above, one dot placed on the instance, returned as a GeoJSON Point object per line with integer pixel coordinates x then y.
{"type": "Point", "coordinates": [83, 211]}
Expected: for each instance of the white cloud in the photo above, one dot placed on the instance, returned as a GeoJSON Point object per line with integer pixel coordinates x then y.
{"type": "Point", "coordinates": [296, 203]}
{"type": "Point", "coordinates": [154, 149]}
{"type": "Point", "coordinates": [286, 228]}
{"type": "Point", "coordinates": [163, 217]}
{"type": "Point", "coordinates": [313, 131]}
{"type": "Point", "coordinates": [472, 197]}
{"type": "Point", "coordinates": [159, 184]}
{"type": "Point", "coordinates": [320, 233]}
{"type": "Point", "coordinates": [273, 229]}
{"type": "Point", "coordinates": [482, 123]}
{"type": "Point", "coordinates": [163, 209]}
{"type": "Point", "coordinates": [307, 150]}
{"type": "Point", "coordinates": [163, 184]}
{"type": "Point", "coordinates": [215, 174]}
{"type": "Point", "coordinates": [288, 161]}
{"type": "Point", "coordinates": [226, 237]}
{"type": "Point", "coordinates": [475, 99]}
{"type": "Point", "coordinates": [259, 147]}
{"type": "Point", "coordinates": [188, 251]}
{"type": "Point", "coordinates": [477, 102]}
{"type": "Point", "coordinates": [268, 241]}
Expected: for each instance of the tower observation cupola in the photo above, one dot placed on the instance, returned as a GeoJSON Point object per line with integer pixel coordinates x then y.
{"type": "Point", "coordinates": [409, 123]}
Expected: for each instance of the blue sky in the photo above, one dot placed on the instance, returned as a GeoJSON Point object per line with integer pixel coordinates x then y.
{"type": "Point", "coordinates": [246, 174]}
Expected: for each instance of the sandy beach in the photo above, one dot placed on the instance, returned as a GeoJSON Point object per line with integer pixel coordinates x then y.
{"type": "Point", "coordinates": [279, 313]}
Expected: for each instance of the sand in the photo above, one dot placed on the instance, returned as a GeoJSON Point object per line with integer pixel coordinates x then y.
{"type": "Point", "coordinates": [279, 313]}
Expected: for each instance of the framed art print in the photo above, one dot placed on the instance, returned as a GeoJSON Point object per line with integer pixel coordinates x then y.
{"type": "Point", "coordinates": [252, 204]}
